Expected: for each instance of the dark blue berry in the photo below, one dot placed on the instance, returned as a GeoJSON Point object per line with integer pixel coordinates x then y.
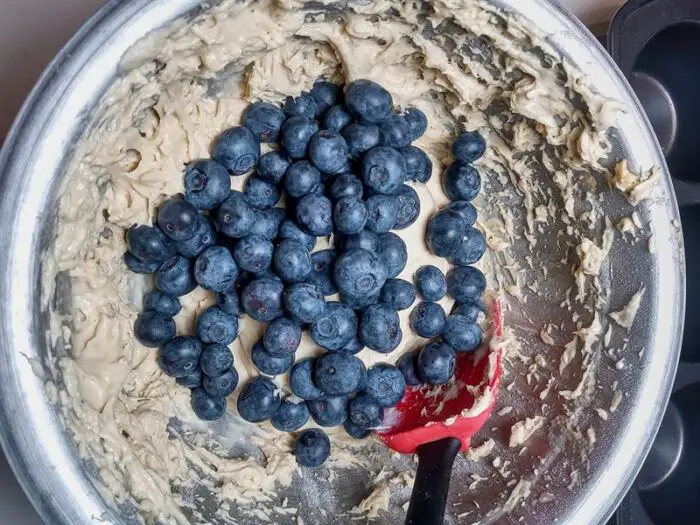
{"type": "Point", "coordinates": [302, 106]}
{"type": "Point", "coordinates": [398, 294]}
{"type": "Point", "coordinates": [419, 167]}
{"type": "Point", "coordinates": [446, 231]}
{"type": "Point", "coordinates": [383, 170]}
{"type": "Point", "coordinates": [428, 319]}
{"type": "Point", "coordinates": [216, 360]}
{"type": "Point", "coordinates": [338, 373]}
{"type": "Point", "coordinates": [350, 215]}
{"type": "Point", "coordinates": [302, 178]}
{"type": "Point", "coordinates": [138, 266]}
{"type": "Point", "coordinates": [386, 384]}
{"type": "Point", "coordinates": [335, 328]}
{"type": "Point", "coordinates": [379, 324]}
{"type": "Point", "coordinates": [361, 138]}
{"type": "Point", "coordinates": [261, 194]}
{"type": "Point", "coordinates": [292, 261]}
{"type": "Point", "coordinates": [153, 329]}
{"type": "Point", "coordinates": [269, 364]}
{"type": "Point", "coordinates": [365, 412]}
{"type": "Point", "coordinates": [178, 219]}
{"type": "Point", "coordinates": [221, 386]}
{"type": "Point", "coordinates": [368, 101]}
{"type": "Point", "coordinates": [328, 151]}
{"type": "Point", "coordinates": [301, 380]}
{"type": "Point", "coordinates": [353, 347]}
{"type": "Point", "coordinates": [461, 182]}
{"type": "Point", "coordinates": [396, 132]}
{"type": "Point", "coordinates": [329, 411]}
{"type": "Point", "coordinates": [436, 363]}
{"type": "Point", "coordinates": [469, 147]}
{"type": "Point", "coordinates": [262, 299]}
{"type": "Point", "coordinates": [408, 365]}
{"type": "Point", "coordinates": [235, 216]}
{"type": "Point", "coordinates": [359, 273]}
{"type": "Point", "coordinates": [282, 337]}
{"type": "Point", "coordinates": [346, 185]}
{"type": "Point", "coordinates": [417, 122]}
{"type": "Point", "coordinates": [473, 248]}
{"type": "Point", "coordinates": [361, 302]}
{"type": "Point", "coordinates": [202, 239]}
{"type": "Point", "coordinates": [304, 302]}
{"type": "Point", "coordinates": [149, 244]}
{"type": "Point", "coordinates": [215, 269]}
{"type": "Point", "coordinates": [253, 253]}
{"type": "Point", "coordinates": [465, 284]}
{"type": "Point", "coordinates": [471, 310]}
{"type": "Point", "coordinates": [296, 134]}
{"type": "Point", "coordinates": [264, 120]}
{"type": "Point", "coordinates": [206, 407]}
{"type": "Point", "coordinates": [461, 334]}
{"type": "Point", "coordinates": [273, 165]}
{"type": "Point", "coordinates": [312, 448]}
{"type": "Point", "coordinates": [207, 184]}
{"type": "Point", "coordinates": [382, 213]}
{"type": "Point", "coordinates": [466, 210]}
{"type": "Point", "coordinates": [191, 380]}
{"type": "Point", "coordinates": [355, 431]}
{"type": "Point", "coordinates": [230, 303]}
{"type": "Point", "coordinates": [289, 230]}
{"type": "Point", "coordinates": [321, 276]}
{"type": "Point", "coordinates": [336, 118]}
{"type": "Point", "coordinates": [163, 303]}
{"type": "Point", "coordinates": [176, 276]}
{"type": "Point", "coordinates": [290, 416]}
{"type": "Point", "coordinates": [259, 400]}
{"type": "Point", "coordinates": [431, 283]}
{"type": "Point", "coordinates": [393, 253]}
{"type": "Point", "coordinates": [314, 215]}
{"type": "Point", "coordinates": [216, 326]}
{"type": "Point", "coordinates": [267, 223]}
{"type": "Point", "coordinates": [408, 205]}
{"type": "Point", "coordinates": [365, 240]}
{"type": "Point", "coordinates": [237, 149]}
{"type": "Point", "coordinates": [325, 94]}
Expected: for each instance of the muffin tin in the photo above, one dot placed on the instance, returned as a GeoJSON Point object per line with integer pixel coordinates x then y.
{"type": "Point", "coordinates": [656, 44]}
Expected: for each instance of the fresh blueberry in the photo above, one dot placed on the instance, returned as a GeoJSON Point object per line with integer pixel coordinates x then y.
{"type": "Point", "coordinates": [221, 386]}
{"type": "Point", "coordinates": [314, 215]}
{"type": "Point", "coordinates": [361, 138]}
{"type": "Point", "coordinates": [365, 412]}
{"type": "Point", "coordinates": [304, 302]}
{"type": "Point", "coordinates": [302, 106]}
{"type": "Point", "coordinates": [160, 302]}
{"type": "Point", "coordinates": [465, 283]}
{"type": "Point", "coordinates": [335, 328]}
{"type": "Point", "coordinates": [296, 134]}
{"type": "Point", "coordinates": [207, 184]}
{"type": "Point", "coordinates": [261, 194]}
{"type": "Point", "coordinates": [461, 182]}
{"type": "Point", "coordinates": [258, 400]}
{"type": "Point", "coordinates": [328, 151]}
{"type": "Point", "coordinates": [138, 266]}
{"type": "Point", "coordinates": [302, 178]}
{"type": "Point", "coordinates": [282, 337]}
{"type": "Point", "coordinates": [292, 261]}
{"type": "Point", "coordinates": [383, 170]}
{"type": "Point", "coordinates": [365, 240]}
{"type": "Point", "coordinates": [237, 149]}
{"type": "Point", "coordinates": [216, 360]}
{"type": "Point", "coordinates": [215, 269]}
{"type": "Point", "coordinates": [408, 365]}
{"type": "Point", "coordinates": [230, 303]}
{"type": "Point", "coordinates": [396, 132]}
{"type": "Point", "coordinates": [269, 364]}
{"type": "Point", "coordinates": [431, 283]}
{"type": "Point", "coordinates": [176, 277]}
{"type": "Point", "coordinates": [253, 253]}
{"type": "Point", "coordinates": [461, 334]}
{"type": "Point", "coordinates": [290, 416]}
{"type": "Point", "coordinates": [262, 299]}
{"type": "Point", "coordinates": [382, 213]}
{"type": "Point", "coordinates": [178, 219]}
{"type": "Point", "coordinates": [149, 245]}
{"type": "Point", "coordinates": [386, 384]}
{"type": "Point", "coordinates": [469, 147]}
{"type": "Point", "coordinates": [419, 167]}
{"type": "Point", "coordinates": [393, 253]}
{"type": "Point", "coordinates": [191, 380]}
{"type": "Point", "coordinates": [446, 231]}
{"type": "Point", "coordinates": [301, 380]}
{"type": "Point", "coordinates": [153, 329]}
{"type": "Point", "coordinates": [471, 310]}
{"type": "Point", "coordinates": [346, 185]}
{"type": "Point", "coordinates": [379, 324]}
{"type": "Point", "coordinates": [428, 319]}
{"type": "Point", "coordinates": [398, 294]}
{"type": "Point", "coordinates": [312, 448]}
{"type": "Point", "coordinates": [325, 94]}
{"type": "Point", "coordinates": [264, 120]}
{"type": "Point", "coordinates": [361, 302]}
{"type": "Point", "coordinates": [273, 165]}
{"type": "Point", "coordinates": [408, 205]}
{"type": "Point", "coordinates": [216, 326]}
{"type": "Point", "coordinates": [336, 118]}
{"type": "Point", "coordinates": [436, 363]}
{"type": "Point", "coordinates": [355, 431]}
{"type": "Point", "coordinates": [473, 248]}
{"type": "Point", "coordinates": [350, 215]}
{"type": "Point", "coordinates": [267, 223]}
{"type": "Point", "coordinates": [338, 373]}
{"type": "Point", "coordinates": [321, 275]}
{"type": "Point", "coordinates": [359, 273]}
{"type": "Point", "coordinates": [235, 216]}
{"type": "Point", "coordinates": [466, 210]}
{"type": "Point", "coordinates": [417, 122]}
{"type": "Point", "coordinates": [368, 101]}
{"type": "Point", "coordinates": [353, 347]}
{"type": "Point", "coordinates": [206, 407]}
{"type": "Point", "coordinates": [329, 411]}
{"type": "Point", "coordinates": [205, 237]}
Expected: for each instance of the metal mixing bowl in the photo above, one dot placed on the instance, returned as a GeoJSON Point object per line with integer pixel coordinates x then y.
{"type": "Point", "coordinates": [31, 165]}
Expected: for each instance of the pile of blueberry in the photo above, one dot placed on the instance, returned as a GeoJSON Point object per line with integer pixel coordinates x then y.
{"type": "Point", "coordinates": [342, 159]}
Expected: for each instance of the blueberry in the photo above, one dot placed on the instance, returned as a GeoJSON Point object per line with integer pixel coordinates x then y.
{"type": "Point", "coordinates": [261, 194]}
{"type": "Point", "coordinates": [237, 149]}
{"type": "Point", "coordinates": [468, 147]}
{"type": "Point", "coordinates": [162, 303]}
{"type": "Point", "coordinates": [290, 416]}
{"type": "Point", "coordinates": [321, 276]}
{"type": "Point", "coordinates": [328, 151]}
{"type": "Point", "coordinates": [301, 380]}
{"type": "Point", "coordinates": [473, 248]}
{"type": "Point", "coordinates": [408, 207]}
{"type": "Point", "coordinates": [207, 408]}
{"type": "Point", "coordinates": [221, 386]}
{"type": "Point", "coordinates": [312, 448]}
{"type": "Point", "coordinates": [314, 215]}
{"type": "Point", "coordinates": [338, 373]}
{"type": "Point", "coordinates": [216, 360]}
{"type": "Point", "coordinates": [465, 284]}
{"type": "Point", "coordinates": [461, 182]}
{"type": "Point", "coordinates": [235, 216]}
{"type": "Point", "coordinates": [258, 400]}
{"type": "Point", "coordinates": [379, 324]}
{"type": "Point", "coordinates": [215, 269]}
{"type": "Point", "coordinates": [350, 215]}
{"type": "Point", "coordinates": [398, 294]}
{"type": "Point", "coordinates": [302, 178]}
{"type": "Point", "coordinates": [292, 261]}
{"type": "Point", "coordinates": [353, 347]}
{"type": "Point", "coordinates": [153, 329]}
{"type": "Point", "coordinates": [382, 213]}
{"type": "Point", "coordinates": [396, 132]}
{"type": "Point", "coordinates": [346, 185]}
{"type": "Point", "coordinates": [335, 328]}
{"type": "Point", "coordinates": [329, 411]}
{"type": "Point", "coordinates": [365, 412]}
{"type": "Point", "coordinates": [368, 101]}
{"type": "Point", "coordinates": [446, 231]}
{"type": "Point", "coordinates": [149, 245]}
{"type": "Point", "coordinates": [428, 319]}
{"type": "Point", "coordinates": [202, 239]}
{"type": "Point", "coordinates": [419, 167]}
{"type": "Point", "coordinates": [289, 230]}
{"type": "Point", "coordinates": [264, 120]}
{"type": "Point", "coordinates": [436, 363]}
{"type": "Point", "coordinates": [273, 165]}
{"type": "Point", "coordinates": [393, 253]}
{"type": "Point", "coordinates": [325, 94]}
{"type": "Point", "coordinates": [230, 303]}
{"type": "Point", "coordinates": [176, 277]}
{"type": "Point", "coordinates": [296, 134]}
{"type": "Point", "coordinates": [138, 266]}
{"type": "Point", "coordinates": [269, 364]}
{"type": "Point", "coordinates": [386, 384]}
{"type": "Point", "coordinates": [178, 219]}
{"type": "Point", "coordinates": [282, 337]}
{"type": "Point", "coordinates": [216, 326]}
{"type": "Point", "coordinates": [191, 380]}
{"type": "Point", "coordinates": [471, 310]}
{"type": "Point", "coordinates": [361, 138]}
{"type": "Point", "coordinates": [207, 184]}
{"type": "Point", "coordinates": [383, 170]}
{"type": "Point", "coordinates": [365, 239]}
{"type": "Point", "coordinates": [431, 283]}
{"type": "Point", "coordinates": [355, 431]}
{"type": "Point", "coordinates": [253, 253]}
{"type": "Point", "coordinates": [359, 273]}
{"type": "Point", "coordinates": [417, 122]}
{"type": "Point", "coordinates": [408, 365]}
{"type": "Point", "coordinates": [267, 223]}
{"type": "Point", "coordinates": [180, 356]}
{"type": "Point", "coordinates": [304, 302]}
{"type": "Point", "coordinates": [336, 118]}
{"type": "Point", "coordinates": [361, 302]}
{"type": "Point", "coordinates": [262, 299]}
{"type": "Point", "coordinates": [461, 334]}
{"type": "Point", "coordinates": [466, 210]}
{"type": "Point", "coordinates": [302, 106]}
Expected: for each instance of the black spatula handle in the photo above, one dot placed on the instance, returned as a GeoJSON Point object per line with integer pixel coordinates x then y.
{"type": "Point", "coordinates": [432, 484]}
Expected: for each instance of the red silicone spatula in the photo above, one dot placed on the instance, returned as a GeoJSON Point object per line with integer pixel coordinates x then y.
{"type": "Point", "coordinates": [438, 422]}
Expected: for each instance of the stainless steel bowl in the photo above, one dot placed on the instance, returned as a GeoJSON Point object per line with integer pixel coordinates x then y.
{"type": "Point", "coordinates": [31, 165]}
